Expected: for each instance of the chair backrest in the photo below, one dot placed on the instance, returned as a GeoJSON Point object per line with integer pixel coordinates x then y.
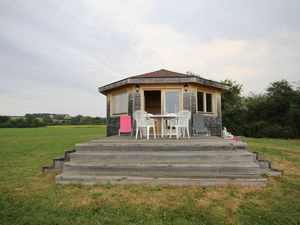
{"type": "Point", "coordinates": [125, 123]}
{"type": "Point", "coordinates": [184, 117]}
{"type": "Point", "coordinates": [226, 134]}
{"type": "Point", "coordinates": [141, 118]}
{"type": "Point", "coordinates": [137, 114]}
{"type": "Point", "coordinates": [198, 121]}
{"type": "Point", "coordinates": [172, 114]}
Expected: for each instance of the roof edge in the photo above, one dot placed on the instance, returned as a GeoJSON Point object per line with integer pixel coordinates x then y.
{"type": "Point", "coordinates": [136, 80]}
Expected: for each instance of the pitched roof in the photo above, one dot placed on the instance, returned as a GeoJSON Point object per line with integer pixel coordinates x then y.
{"type": "Point", "coordinates": [162, 76]}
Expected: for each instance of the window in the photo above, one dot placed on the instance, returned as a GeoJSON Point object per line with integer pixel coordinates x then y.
{"type": "Point", "coordinates": [120, 103]}
{"type": "Point", "coordinates": [172, 102]}
{"type": "Point", "coordinates": [204, 102]}
{"type": "Point", "coordinates": [208, 102]}
{"type": "Point", "coordinates": [200, 101]}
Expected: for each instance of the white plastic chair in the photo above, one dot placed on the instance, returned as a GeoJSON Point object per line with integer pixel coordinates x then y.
{"type": "Point", "coordinates": [181, 123]}
{"type": "Point", "coordinates": [226, 134]}
{"type": "Point", "coordinates": [143, 122]}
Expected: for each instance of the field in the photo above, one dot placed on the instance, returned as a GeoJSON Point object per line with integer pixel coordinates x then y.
{"type": "Point", "coordinates": [27, 196]}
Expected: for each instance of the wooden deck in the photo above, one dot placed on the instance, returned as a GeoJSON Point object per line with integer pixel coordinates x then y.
{"type": "Point", "coordinates": [166, 139]}
{"type": "Point", "coordinates": [202, 160]}
{"type": "Point", "coordinates": [199, 141]}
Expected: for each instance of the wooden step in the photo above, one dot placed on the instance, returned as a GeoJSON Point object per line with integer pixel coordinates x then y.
{"type": "Point", "coordinates": [187, 157]}
{"type": "Point", "coordinates": [158, 146]}
{"type": "Point", "coordinates": [162, 169]}
{"type": "Point", "coordinates": [256, 181]}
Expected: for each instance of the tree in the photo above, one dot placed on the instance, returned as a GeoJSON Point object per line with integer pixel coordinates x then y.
{"type": "Point", "coordinates": [4, 121]}
{"type": "Point", "coordinates": [48, 121]}
{"type": "Point", "coordinates": [76, 120]}
{"type": "Point", "coordinates": [232, 107]}
{"type": "Point", "coordinates": [273, 114]}
{"type": "Point", "coordinates": [293, 114]}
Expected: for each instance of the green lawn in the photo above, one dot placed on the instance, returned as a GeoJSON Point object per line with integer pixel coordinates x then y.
{"type": "Point", "coordinates": [27, 196]}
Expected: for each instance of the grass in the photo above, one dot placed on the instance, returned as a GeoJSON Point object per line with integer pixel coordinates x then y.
{"type": "Point", "coordinates": [27, 196]}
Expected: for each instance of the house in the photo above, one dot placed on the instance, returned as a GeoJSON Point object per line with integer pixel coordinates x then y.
{"type": "Point", "coordinates": [204, 161]}
{"type": "Point", "coordinates": [162, 92]}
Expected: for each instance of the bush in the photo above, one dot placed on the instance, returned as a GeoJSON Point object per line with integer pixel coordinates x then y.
{"type": "Point", "coordinates": [275, 114]}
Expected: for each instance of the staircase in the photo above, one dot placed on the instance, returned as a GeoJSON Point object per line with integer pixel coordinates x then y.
{"type": "Point", "coordinates": [209, 161]}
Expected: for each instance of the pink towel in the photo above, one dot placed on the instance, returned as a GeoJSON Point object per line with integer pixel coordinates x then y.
{"type": "Point", "coordinates": [125, 124]}
{"type": "Point", "coordinates": [235, 139]}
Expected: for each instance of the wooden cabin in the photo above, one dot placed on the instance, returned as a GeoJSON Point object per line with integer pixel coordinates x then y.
{"type": "Point", "coordinates": [163, 92]}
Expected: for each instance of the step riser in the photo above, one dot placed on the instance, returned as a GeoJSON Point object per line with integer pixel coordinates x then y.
{"type": "Point", "coordinates": [159, 170]}
{"type": "Point", "coordinates": [111, 159]}
{"type": "Point", "coordinates": [80, 148]}
{"type": "Point", "coordinates": [164, 181]}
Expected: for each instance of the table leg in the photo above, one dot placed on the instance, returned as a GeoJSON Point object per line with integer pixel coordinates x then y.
{"type": "Point", "coordinates": [162, 127]}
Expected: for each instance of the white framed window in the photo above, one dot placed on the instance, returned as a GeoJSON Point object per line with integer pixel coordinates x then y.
{"type": "Point", "coordinates": [120, 103]}
{"type": "Point", "coordinates": [204, 102]}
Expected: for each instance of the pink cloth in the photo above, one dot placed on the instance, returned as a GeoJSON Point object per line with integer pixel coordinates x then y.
{"type": "Point", "coordinates": [125, 124]}
{"type": "Point", "coordinates": [235, 139]}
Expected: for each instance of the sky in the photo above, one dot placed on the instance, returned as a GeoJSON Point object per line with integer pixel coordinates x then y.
{"type": "Point", "coordinates": [55, 54]}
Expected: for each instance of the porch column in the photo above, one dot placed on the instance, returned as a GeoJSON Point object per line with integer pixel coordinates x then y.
{"type": "Point", "coordinates": [136, 106]}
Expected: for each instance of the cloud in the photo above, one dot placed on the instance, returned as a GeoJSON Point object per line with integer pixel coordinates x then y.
{"type": "Point", "coordinates": [163, 43]}
{"type": "Point", "coordinates": [62, 51]}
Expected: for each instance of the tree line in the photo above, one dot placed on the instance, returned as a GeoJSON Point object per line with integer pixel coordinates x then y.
{"type": "Point", "coordinates": [46, 119]}
{"type": "Point", "coordinates": [274, 114]}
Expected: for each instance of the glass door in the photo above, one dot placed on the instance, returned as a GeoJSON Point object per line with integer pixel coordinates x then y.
{"type": "Point", "coordinates": [172, 101]}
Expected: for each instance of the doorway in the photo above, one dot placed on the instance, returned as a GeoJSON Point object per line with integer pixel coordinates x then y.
{"type": "Point", "coordinates": [153, 102]}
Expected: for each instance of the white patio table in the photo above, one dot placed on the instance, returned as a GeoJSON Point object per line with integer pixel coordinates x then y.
{"type": "Point", "coordinates": [163, 118]}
